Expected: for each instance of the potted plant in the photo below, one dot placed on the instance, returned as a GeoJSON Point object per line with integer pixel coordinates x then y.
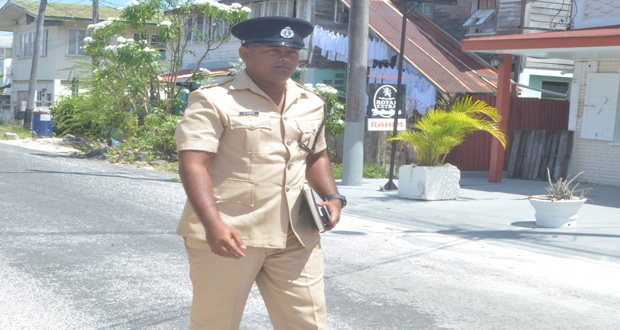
{"type": "Point", "coordinates": [433, 137]}
{"type": "Point", "coordinates": [559, 207]}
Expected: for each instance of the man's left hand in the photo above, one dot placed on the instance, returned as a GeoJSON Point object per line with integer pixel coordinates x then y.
{"type": "Point", "coordinates": [334, 207]}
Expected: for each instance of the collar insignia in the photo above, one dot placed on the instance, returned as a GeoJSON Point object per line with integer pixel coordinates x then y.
{"type": "Point", "coordinates": [287, 32]}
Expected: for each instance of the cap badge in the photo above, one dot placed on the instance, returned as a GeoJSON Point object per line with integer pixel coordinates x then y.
{"type": "Point", "coordinates": [287, 32]}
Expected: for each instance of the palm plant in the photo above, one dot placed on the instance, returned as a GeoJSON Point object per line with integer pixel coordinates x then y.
{"type": "Point", "coordinates": [440, 130]}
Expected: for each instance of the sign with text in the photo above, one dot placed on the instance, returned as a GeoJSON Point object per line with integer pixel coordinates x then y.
{"type": "Point", "coordinates": [382, 107]}
{"type": "Point", "coordinates": [378, 124]}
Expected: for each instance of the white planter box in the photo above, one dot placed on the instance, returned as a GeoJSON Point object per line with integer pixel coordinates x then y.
{"type": "Point", "coordinates": [429, 182]}
{"type": "Point", "coordinates": [556, 214]}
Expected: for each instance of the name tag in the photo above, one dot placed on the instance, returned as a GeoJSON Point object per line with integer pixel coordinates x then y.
{"type": "Point", "coordinates": [248, 113]}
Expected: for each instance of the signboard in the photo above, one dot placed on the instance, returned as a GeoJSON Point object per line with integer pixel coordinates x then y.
{"type": "Point", "coordinates": [382, 108]}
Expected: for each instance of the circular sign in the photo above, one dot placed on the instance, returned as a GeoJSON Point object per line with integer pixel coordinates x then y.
{"type": "Point", "coordinates": [384, 102]}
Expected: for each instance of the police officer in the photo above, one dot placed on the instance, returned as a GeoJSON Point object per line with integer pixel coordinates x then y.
{"type": "Point", "coordinates": [246, 146]}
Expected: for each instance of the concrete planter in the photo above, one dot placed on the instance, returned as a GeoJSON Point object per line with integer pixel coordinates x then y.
{"type": "Point", "coordinates": [556, 213]}
{"type": "Point", "coordinates": [429, 182]}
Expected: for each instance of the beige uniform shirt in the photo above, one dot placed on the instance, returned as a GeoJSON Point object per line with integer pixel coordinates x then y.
{"type": "Point", "coordinates": [259, 167]}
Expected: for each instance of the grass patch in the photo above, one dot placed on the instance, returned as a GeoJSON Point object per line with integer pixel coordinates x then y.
{"type": "Point", "coordinates": [368, 172]}
{"type": "Point", "coordinates": [17, 129]}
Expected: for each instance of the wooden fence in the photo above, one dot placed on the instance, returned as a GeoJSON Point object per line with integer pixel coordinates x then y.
{"type": "Point", "coordinates": [525, 114]}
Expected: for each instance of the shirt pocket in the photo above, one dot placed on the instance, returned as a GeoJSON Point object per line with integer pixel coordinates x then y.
{"type": "Point", "coordinates": [226, 190]}
{"type": "Point", "coordinates": [251, 130]}
{"type": "Point", "coordinates": [309, 130]}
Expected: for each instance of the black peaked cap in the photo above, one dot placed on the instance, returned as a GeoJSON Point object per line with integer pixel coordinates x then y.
{"type": "Point", "coordinates": [273, 31]}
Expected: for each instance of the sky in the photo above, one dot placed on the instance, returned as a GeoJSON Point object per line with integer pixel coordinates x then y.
{"type": "Point", "coordinates": [107, 3]}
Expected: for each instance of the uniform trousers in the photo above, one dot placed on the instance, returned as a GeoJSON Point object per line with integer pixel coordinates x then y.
{"type": "Point", "coordinates": [290, 281]}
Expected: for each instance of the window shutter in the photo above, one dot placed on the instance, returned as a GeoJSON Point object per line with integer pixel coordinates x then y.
{"type": "Point", "coordinates": [303, 11]}
{"type": "Point", "coordinates": [44, 43]}
{"type": "Point", "coordinates": [80, 41]}
{"type": "Point", "coordinates": [284, 11]}
{"type": "Point", "coordinates": [71, 42]}
{"type": "Point", "coordinates": [601, 106]}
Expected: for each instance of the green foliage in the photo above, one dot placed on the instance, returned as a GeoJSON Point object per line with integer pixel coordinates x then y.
{"type": "Point", "coordinates": [564, 189]}
{"type": "Point", "coordinates": [157, 139]}
{"type": "Point", "coordinates": [337, 171]}
{"type": "Point", "coordinates": [439, 131]}
{"type": "Point", "coordinates": [335, 109]}
{"type": "Point", "coordinates": [368, 172]}
{"type": "Point", "coordinates": [91, 116]}
{"type": "Point", "coordinates": [17, 129]}
{"type": "Point", "coordinates": [126, 96]}
{"type": "Point", "coordinates": [2, 88]}
{"type": "Point", "coordinates": [375, 171]}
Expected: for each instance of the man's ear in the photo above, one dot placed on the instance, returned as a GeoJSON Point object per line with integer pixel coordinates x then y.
{"type": "Point", "coordinates": [244, 53]}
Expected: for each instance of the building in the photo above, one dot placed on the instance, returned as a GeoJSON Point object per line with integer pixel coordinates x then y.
{"type": "Point", "coordinates": [593, 43]}
{"type": "Point", "coordinates": [65, 28]}
{"type": "Point", "coordinates": [6, 56]}
{"type": "Point", "coordinates": [477, 18]}
{"type": "Point", "coordinates": [434, 63]}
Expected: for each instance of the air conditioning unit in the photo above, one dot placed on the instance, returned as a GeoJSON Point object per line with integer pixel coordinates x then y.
{"type": "Point", "coordinates": [342, 17]}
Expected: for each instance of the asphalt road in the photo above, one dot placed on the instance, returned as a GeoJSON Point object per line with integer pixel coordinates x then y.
{"type": "Point", "coordinates": [90, 245]}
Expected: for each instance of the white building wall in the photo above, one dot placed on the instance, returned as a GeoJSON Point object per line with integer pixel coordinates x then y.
{"type": "Point", "coordinates": [595, 13]}
{"type": "Point", "coordinates": [216, 59]}
{"type": "Point", "coordinates": [524, 78]}
{"type": "Point", "coordinates": [5, 69]}
{"type": "Point", "coordinates": [599, 159]}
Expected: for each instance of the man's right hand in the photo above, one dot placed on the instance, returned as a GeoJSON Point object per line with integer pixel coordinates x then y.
{"type": "Point", "coordinates": [225, 241]}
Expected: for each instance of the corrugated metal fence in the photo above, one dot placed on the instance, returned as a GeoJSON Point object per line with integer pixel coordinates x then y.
{"type": "Point", "coordinates": [525, 113]}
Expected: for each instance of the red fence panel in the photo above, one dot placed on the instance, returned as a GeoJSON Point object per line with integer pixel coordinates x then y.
{"type": "Point", "coordinates": [525, 113]}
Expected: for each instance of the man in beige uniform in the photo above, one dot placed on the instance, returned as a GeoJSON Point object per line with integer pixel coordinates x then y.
{"type": "Point", "coordinates": [246, 146]}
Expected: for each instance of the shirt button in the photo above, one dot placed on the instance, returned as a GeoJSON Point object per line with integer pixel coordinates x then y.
{"type": "Point", "coordinates": [290, 165]}
{"type": "Point", "coordinates": [252, 124]}
{"type": "Point", "coordinates": [287, 188]}
{"type": "Point", "coordinates": [289, 142]}
{"type": "Point", "coordinates": [217, 198]}
{"type": "Point", "coordinates": [284, 117]}
{"type": "Point", "coordinates": [314, 129]}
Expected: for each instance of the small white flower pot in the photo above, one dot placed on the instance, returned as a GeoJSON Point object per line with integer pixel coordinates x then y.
{"type": "Point", "coordinates": [556, 213]}
{"type": "Point", "coordinates": [429, 182]}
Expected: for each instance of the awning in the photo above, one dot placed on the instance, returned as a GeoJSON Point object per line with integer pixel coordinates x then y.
{"type": "Point", "coordinates": [587, 44]}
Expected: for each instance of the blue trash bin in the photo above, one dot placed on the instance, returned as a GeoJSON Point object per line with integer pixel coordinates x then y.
{"type": "Point", "coordinates": [42, 124]}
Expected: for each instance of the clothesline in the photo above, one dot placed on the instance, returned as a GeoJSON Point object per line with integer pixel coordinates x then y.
{"type": "Point", "coordinates": [420, 94]}
{"type": "Point", "coordinates": [371, 76]}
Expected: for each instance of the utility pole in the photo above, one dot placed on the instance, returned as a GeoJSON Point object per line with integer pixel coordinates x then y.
{"type": "Point", "coordinates": [95, 11]}
{"type": "Point", "coordinates": [390, 185]}
{"type": "Point", "coordinates": [32, 85]}
{"type": "Point", "coordinates": [353, 153]}
{"type": "Point", "coordinates": [95, 21]}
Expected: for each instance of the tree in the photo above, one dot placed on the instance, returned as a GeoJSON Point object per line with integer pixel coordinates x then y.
{"type": "Point", "coordinates": [129, 70]}
{"type": "Point", "coordinates": [2, 88]}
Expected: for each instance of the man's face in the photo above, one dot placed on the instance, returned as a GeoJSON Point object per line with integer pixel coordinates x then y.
{"type": "Point", "coordinates": [269, 63]}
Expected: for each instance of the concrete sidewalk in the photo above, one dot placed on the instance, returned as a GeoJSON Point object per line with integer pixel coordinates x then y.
{"type": "Point", "coordinates": [499, 213]}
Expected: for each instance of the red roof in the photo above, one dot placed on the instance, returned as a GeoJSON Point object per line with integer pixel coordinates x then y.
{"type": "Point", "coordinates": [431, 50]}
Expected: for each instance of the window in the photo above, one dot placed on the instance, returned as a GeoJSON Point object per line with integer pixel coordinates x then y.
{"type": "Point", "coordinates": [341, 13]}
{"type": "Point", "coordinates": [75, 41]}
{"type": "Point", "coordinates": [303, 10]}
{"type": "Point", "coordinates": [26, 44]}
{"type": "Point", "coordinates": [154, 41]}
{"type": "Point", "coordinates": [202, 29]}
{"type": "Point", "coordinates": [482, 21]}
{"type": "Point", "coordinates": [426, 9]}
{"type": "Point", "coordinates": [272, 8]}
{"type": "Point", "coordinates": [554, 86]}
{"type": "Point", "coordinates": [600, 110]}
